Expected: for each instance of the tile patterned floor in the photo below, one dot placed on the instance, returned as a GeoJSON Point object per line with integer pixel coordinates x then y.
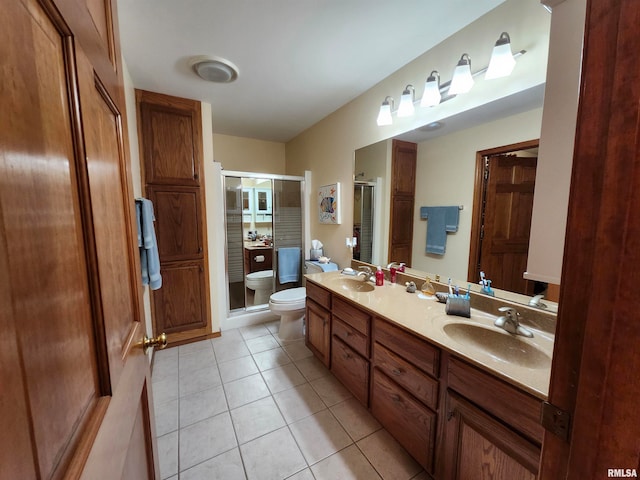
{"type": "Point", "coordinates": [246, 406]}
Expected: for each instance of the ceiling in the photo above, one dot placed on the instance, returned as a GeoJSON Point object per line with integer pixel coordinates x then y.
{"type": "Point", "coordinates": [298, 60]}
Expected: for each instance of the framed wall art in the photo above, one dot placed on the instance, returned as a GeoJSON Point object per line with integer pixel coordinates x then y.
{"type": "Point", "coordinates": [329, 203]}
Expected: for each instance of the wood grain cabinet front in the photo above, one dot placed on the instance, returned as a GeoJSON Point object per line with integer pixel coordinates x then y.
{"type": "Point", "coordinates": [318, 331]}
{"type": "Point", "coordinates": [404, 389]}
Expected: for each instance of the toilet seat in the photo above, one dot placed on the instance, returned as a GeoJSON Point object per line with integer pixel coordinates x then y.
{"type": "Point", "coordinates": [288, 296]}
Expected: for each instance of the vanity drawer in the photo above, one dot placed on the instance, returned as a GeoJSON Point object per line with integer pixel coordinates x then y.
{"type": "Point", "coordinates": [414, 350]}
{"type": "Point", "coordinates": [411, 423]}
{"type": "Point", "coordinates": [351, 369]}
{"type": "Point", "coordinates": [351, 315]}
{"type": "Point", "coordinates": [318, 294]}
{"type": "Point", "coordinates": [422, 386]}
{"type": "Point", "coordinates": [351, 337]}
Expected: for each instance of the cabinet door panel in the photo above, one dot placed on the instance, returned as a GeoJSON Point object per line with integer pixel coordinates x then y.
{"type": "Point", "coordinates": [351, 369]}
{"type": "Point", "coordinates": [171, 156]}
{"type": "Point", "coordinates": [479, 447]}
{"type": "Point", "coordinates": [411, 423]}
{"type": "Point", "coordinates": [178, 305]}
{"type": "Point", "coordinates": [318, 331]}
{"type": "Point", "coordinates": [177, 212]}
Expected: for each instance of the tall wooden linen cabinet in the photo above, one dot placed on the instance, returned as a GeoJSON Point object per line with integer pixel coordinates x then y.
{"type": "Point", "coordinates": [170, 130]}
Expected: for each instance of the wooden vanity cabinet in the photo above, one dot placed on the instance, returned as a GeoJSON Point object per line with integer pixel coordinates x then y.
{"type": "Point", "coordinates": [350, 346]}
{"type": "Point", "coordinates": [404, 389]}
{"type": "Point", "coordinates": [492, 429]}
{"type": "Point", "coordinates": [251, 257]}
{"type": "Point", "coordinates": [318, 322]}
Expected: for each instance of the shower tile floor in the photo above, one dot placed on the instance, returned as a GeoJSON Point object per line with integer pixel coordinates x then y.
{"type": "Point", "coordinates": [247, 406]}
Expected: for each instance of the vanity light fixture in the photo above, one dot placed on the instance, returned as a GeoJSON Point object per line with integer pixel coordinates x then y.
{"type": "Point", "coordinates": [502, 61]}
{"type": "Point", "coordinates": [384, 116]}
{"type": "Point", "coordinates": [462, 80]}
{"type": "Point", "coordinates": [406, 108]}
{"type": "Point", "coordinates": [431, 96]}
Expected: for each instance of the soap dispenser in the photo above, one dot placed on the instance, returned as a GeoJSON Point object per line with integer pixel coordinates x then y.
{"type": "Point", "coordinates": [428, 288]}
{"type": "Point", "coordinates": [379, 277]}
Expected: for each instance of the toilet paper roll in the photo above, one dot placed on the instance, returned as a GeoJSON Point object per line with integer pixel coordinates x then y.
{"type": "Point", "coordinates": [259, 258]}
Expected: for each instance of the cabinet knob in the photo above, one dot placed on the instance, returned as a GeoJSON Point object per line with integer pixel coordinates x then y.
{"type": "Point", "coordinates": [397, 371]}
{"type": "Point", "coordinates": [395, 397]}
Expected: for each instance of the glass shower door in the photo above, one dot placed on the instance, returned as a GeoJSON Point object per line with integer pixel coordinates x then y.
{"type": "Point", "coordinates": [287, 232]}
{"type": "Point", "coordinates": [235, 241]}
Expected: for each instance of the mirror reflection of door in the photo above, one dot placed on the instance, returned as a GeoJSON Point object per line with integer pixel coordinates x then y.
{"type": "Point", "coordinates": [504, 204]}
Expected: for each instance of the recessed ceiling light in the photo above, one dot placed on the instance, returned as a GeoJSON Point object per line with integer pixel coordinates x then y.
{"type": "Point", "coordinates": [429, 127]}
{"type": "Point", "coordinates": [214, 69]}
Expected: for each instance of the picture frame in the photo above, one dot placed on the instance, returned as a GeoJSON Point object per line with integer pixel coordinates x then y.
{"type": "Point", "coordinates": [329, 204]}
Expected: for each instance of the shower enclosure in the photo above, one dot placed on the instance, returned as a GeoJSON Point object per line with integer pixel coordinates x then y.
{"type": "Point", "coordinates": [363, 211]}
{"type": "Point", "coordinates": [263, 215]}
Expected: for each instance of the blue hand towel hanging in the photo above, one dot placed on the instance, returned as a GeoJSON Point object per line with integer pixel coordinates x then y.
{"type": "Point", "coordinates": [440, 220]}
{"type": "Point", "coordinates": [288, 264]}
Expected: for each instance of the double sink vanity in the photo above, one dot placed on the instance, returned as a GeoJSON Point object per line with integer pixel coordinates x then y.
{"type": "Point", "coordinates": [461, 395]}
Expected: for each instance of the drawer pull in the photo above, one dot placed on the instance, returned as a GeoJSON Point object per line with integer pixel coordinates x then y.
{"type": "Point", "coordinates": [347, 356]}
{"type": "Point", "coordinates": [395, 397]}
{"type": "Point", "coordinates": [397, 371]}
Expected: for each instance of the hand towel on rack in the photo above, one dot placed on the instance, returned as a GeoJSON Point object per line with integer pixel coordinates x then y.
{"type": "Point", "coordinates": [440, 220]}
{"type": "Point", "coordinates": [288, 264]}
{"type": "Point", "coordinates": [149, 257]}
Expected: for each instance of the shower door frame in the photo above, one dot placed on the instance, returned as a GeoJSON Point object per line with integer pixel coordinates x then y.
{"type": "Point", "coordinates": [303, 208]}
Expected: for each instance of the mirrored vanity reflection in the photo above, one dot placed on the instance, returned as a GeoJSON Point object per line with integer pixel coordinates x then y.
{"type": "Point", "coordinates": [478, 168]}
{"type": "Point", "coordinates": [263, 215]}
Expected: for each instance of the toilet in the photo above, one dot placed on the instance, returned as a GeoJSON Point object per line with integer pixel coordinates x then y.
{"type": "Point", "coordinates": [262, 284]}
{"type": "Point", "coordinates": [289, 305]}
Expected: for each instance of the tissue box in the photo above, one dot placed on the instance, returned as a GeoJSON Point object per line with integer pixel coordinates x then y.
{"type": "Point", "coordinates": [315, 253]}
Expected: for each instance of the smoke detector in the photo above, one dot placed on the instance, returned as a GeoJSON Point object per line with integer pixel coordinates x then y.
{"type": "Point", "coordinates": [214, 69]}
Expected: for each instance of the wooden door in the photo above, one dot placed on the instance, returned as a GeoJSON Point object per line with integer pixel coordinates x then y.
{"type": "Point", "coordinates": [403, 181]}
{"type": "Point", "coordinates": [505, 226]}
{"type": "Point", "coordinates": [75, 397]}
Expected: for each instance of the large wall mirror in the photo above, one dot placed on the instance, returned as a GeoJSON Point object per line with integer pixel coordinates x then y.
{"type": "Point", "coordinates": [446, 175]}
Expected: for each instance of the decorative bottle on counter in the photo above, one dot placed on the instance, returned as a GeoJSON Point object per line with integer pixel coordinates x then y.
{"type": "Point", "coordinates": [379, 277]}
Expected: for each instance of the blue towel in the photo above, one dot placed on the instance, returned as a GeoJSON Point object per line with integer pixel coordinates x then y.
{"type": "Point", "coordinates": [440, 220]}
{"type": "Point", "coordinates": [289, 264]}
{"type": "Point", "coordinates": [149, 257]}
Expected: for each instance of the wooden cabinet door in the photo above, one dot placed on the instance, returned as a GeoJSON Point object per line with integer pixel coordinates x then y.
{"type": "Point", "coordinates": [478, 447]}
{"type": "Point", "coordinates": [318, 331]}
{"type": "Point", "coordinates": [170, 130]}
{"type": "Point", "coordinates": [178, 231]}
{"type": "Point", "coordinates": [75, 385]}
{"type": "Point", "coordinates": [178, 304]}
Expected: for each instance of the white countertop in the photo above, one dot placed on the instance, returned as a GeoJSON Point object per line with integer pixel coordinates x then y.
{"type": "Point", "coordinates": [427, 318]}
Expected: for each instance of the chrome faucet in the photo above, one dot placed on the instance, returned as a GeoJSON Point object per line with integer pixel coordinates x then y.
{"type": "Point", "coordinates": [511, 323]}
{"type": "Point", "coordinates": [537, 302]}
{"type": "Point", "coordinates": [366, 273]}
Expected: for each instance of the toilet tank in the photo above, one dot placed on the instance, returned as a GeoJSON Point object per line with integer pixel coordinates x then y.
{"type": "Point", "coordinates": [311, 267]}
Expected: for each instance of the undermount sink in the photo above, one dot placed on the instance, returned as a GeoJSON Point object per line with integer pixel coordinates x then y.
{"type": "Point", "coordinates": [500, 345]}
{"type": "Point", "coordinates": [353, 284]}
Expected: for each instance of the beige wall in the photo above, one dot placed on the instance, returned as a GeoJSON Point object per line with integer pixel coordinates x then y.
{"type": "Point", "coordinates": [327, 148]}
{"type": "Point", "coordinates": [249, 154]}
{"type": "Point", "coordinates": [445, 175]}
